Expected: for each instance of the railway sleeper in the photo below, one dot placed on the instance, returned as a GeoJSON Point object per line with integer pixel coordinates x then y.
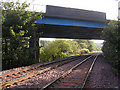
{"type": "Point", "coordinates": [69, 80]}
{"type": "Point", "coordinates": [72, 79]}
{"type": "Point", "coordinates": [76, 82]}
{"type": "Point", "coordinates": [66, 86]}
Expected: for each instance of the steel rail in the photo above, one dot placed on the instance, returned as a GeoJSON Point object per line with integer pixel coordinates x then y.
{"type": "Point", "coordinates": [35, 73]}
{"type": "Point", "coordinates": [63, 75]}
{"type": "Point", "coordinates": [91, 67]}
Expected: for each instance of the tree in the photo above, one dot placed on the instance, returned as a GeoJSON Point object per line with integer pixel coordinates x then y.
{"type": "Point", "coordinates": [86, 44]}
{"type": "Point", "coordinates": [75, 46]}
{"type": "Point", "coordinates": [18, 27]}
{"type": "Point", "coordinates": [55, 50]}
{"type": "Point", "coordinates": [83, 45]}
{"type": "Point", "coordinates": [111, 46]}
{"type": "Point", "coordinates": [91, 45]}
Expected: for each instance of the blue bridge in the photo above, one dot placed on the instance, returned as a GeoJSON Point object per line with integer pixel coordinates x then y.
{"type": "Point", "coordinates": [61, 22]}
{"type": "Point", "coordinates": [69, 23]}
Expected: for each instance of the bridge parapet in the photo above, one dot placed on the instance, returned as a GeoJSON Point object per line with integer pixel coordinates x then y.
{"type": "Point", "coordinates": [71, 13]}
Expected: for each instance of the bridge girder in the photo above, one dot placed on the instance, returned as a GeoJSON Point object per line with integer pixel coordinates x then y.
{"type": "Point", "coordinates": [68, 32]}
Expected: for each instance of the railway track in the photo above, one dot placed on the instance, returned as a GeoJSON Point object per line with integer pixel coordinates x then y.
{"type": "Point", "coordinates": [76, 77]}
{"type": "Point", "coordinates": [12, 78]}
{"type": "Point", "coordinates": [33, 67]}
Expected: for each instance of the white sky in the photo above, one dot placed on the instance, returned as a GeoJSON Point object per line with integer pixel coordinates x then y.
{"type": "Point", "coordinates": [51, 39]}
{"type": "Point", "coordinates": [110, 7]}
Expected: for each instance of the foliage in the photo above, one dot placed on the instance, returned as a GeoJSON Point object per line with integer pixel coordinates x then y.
{"type": "Point", "coordinates": [91, 46]}
{"type": "Point", "coordinates": [111, 45]}
{"type": "Point", "coordinates": [75, 46]}
{"type": "Point", "coordinates": [84, 51]}
{"type": "Point", "coordinates": [18, 25]}
{"type": "Point", "coordinates": [43, 43]}
{"type": "Point", "coordinates": [86, 44]}
{"type": "Point", "coordinates": [64, 48]}
{"type": "Point", "coordinates": [97, 49]}
{"type": "Point", "coordinates": [83, 45]}
{"type": "Point", "coordinates": [55, 50]}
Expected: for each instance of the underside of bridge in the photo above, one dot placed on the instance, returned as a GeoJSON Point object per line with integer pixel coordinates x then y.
{"type": "Point", "coordinates": [68, 32]}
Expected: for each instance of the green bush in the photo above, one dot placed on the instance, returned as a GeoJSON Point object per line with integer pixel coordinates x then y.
{"type": "Point", "coordinates": [55, 50]}
{"type": "Point", "coordinates": [111, 45]}
{"type": "Point", "coordinates": [84, 51]}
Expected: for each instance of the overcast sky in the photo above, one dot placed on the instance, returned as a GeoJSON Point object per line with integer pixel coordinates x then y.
{"type": "Point", "coordinates": [110, 7]}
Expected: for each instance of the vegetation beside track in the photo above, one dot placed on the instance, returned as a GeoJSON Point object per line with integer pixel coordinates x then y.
{"type": "Point", "coordinates": [111, 46]}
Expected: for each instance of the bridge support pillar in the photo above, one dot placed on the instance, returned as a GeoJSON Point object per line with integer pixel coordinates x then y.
{"type": "Point", "coordinates": [34, 48]}
{"type": "Point", "coordinates": [37, 50]}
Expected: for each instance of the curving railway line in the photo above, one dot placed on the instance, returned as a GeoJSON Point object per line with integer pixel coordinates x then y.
{"type": "Point", "coordinates": [74, 73]}
{"type": "Point", "coordinates": [76, 77]}
{"type": "Point", "coordinates": [14, 78]}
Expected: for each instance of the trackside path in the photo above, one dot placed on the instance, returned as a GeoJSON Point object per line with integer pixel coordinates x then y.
{"type": "Point", "coordinates": [102, 75]}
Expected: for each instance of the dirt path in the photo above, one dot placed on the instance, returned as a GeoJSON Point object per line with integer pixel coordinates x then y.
{"type": "Point", "coordinates": [102, 76]}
